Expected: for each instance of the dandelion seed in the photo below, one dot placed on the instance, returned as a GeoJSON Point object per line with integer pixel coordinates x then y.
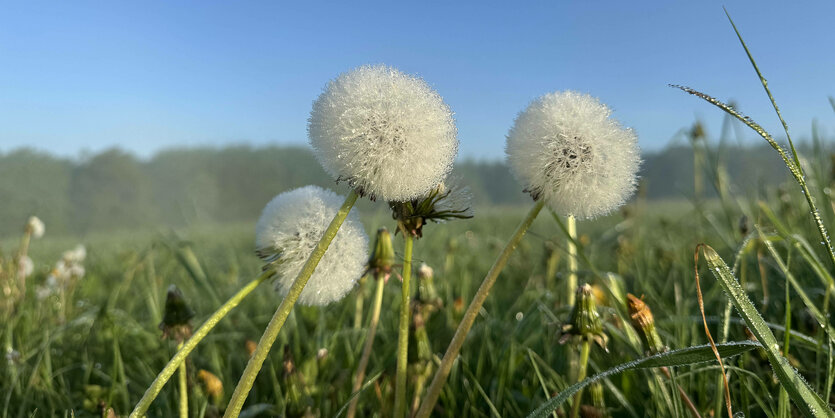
{"type": "Point", "coordinates": [389, 134]}
{"type": "Point", "coordinates": [565, 148]}
{"type": "Point", "coordinates": [289, 230]}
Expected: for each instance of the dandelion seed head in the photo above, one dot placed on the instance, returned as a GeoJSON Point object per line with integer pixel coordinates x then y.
{"type": "Point", "coordinates": [25, 266]}
{"type": "Point", "coordinates": [289, 230]}
{"type": "Point", "coordinates": [567, 149]}
{"type": "Point", "coordinates": [389, 134]}
{"type": "Point", "coordinates": [36, 227]}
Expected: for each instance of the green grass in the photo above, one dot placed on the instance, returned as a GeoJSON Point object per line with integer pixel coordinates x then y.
{"type": "Point", "coordinates": [108, 348]}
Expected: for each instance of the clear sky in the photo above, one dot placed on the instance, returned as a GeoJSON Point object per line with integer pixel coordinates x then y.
{"type": "Point", "coordinates": [146, 75]}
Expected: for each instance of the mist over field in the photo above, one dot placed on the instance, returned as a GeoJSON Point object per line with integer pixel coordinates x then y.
{"type": "Point", "coordinates": [114, 189]}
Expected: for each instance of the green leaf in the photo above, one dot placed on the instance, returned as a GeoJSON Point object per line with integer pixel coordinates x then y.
{"type": "Point", "coordinates": [801, 394]}
{"type": "Point", "coordinates": [682, 357]}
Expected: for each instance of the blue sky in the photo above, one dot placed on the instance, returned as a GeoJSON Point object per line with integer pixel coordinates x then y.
{"type": "Point", "coordinates": [154, 74]}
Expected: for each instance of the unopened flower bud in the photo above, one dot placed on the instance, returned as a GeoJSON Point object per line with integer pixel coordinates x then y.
{"type": "Point", "coordinates": [644, 322]}
{"type": "Point", "coordinates": [585, 320]}
{"type": "Point", "coordinates": [176, 321]}
{"type": "Point", "coordinates": [382, 259]}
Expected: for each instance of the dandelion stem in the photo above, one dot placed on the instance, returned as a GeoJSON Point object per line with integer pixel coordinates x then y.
{"type": "Point", "coordinates": [369, 342]}
{"type": "Point", "coordinates": [403, 333]}
{"type": "Point", "coordinates": [467, 321]}
{"type": "Point", "coordinates": [585, 348]}
{"type": "Point", "coordinates": [283, 311]}
{"type": "Point", "coordinates": [571, 284]}
{"type": "Point", "coordinates": [183, 387]}
{"type": "Point", "coordinates": [192, 342]}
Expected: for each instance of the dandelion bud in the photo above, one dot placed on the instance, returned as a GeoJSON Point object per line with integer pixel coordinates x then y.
{"type": "Point", "coordinates": [387, 133]}
{"type": "Point", "coordinates": [290, 228]}
{"type": "Point", "coordinates": [211, 384]}
{"type": "Point", "coordinates": [176, 321]}
{"type": "Point", "coordinates": [382, 259]}
{"type": "Point", "coordinates": [644, 322]}
{"type": "Point", "coordinates": [565, 148]}
{"type": "Point", "coordinates": [35, 227]}
{"type": "Point", "coordinates": [585, 320]}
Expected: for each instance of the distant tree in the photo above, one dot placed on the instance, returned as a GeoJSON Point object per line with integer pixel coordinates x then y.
{"type": "Point", "coordinates": [110, 191]}
{"type": "Point", "coordinates": [33, 183]}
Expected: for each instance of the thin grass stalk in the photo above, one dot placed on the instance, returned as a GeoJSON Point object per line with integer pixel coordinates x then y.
{"type": "Point", "coordinates": [183, 387]}
{"type": "Point", "coordinates": [585, 349]}
{"type": "Point", "coordinates": [369, 343]}
{"type": "Point", "coordinates": [434, 390]}
{"type": "Point", "coordinates": [792, 164]}
{"type": "Point", "coordinates": [403, 332]}
{"type": "Point", "coordinates": [169, 369]}
{"type": "Point", "coordinates": [571, 283]}
{"type": "Point", "coordinates": [284, 309]}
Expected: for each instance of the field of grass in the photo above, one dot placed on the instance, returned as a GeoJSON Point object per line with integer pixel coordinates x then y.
{"type": "Point", "coordinates": [99, 346]}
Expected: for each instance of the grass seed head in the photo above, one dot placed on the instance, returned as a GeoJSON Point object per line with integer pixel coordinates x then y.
{"type": "Point", "coordinates": [289, 230]}
{"type": "Point", "coordinates": [389, 134]}
{"type": "Point", "coordinates": [565, 148]}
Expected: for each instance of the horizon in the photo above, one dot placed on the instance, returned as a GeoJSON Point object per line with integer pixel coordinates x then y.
{"type": "Point", "coordinates": [152, 76]}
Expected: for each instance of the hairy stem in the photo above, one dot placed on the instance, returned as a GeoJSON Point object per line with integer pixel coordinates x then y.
{"type": "Point", "coordinates": [283, 311]}
{"type": "Point", "coordinates": [467, 321]}
{"type": "Point", "coordinates": [183, 387]}
{"type": "Point", "coordinates": [152, 392]}
{"type": "Point", "coordinates": [571, 283]}
{"type": "Point", "coordinates": [403, 332]}
{"type": "Point", "coordinates": [585, 349]}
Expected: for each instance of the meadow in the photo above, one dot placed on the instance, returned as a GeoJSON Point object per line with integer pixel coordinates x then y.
{"type": "Point", "coordinates": [101, 347]}
{"type": "Point", "coordinates": [709, 304]}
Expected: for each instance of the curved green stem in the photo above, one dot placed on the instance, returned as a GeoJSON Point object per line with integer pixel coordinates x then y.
{"type": "Point", "coordinates": [183, 387]}
{"type": "Point", "coordinates": [369, 342]}
{"type": "Point", "coordinates": [581, 374]}
{"type": "Point", "coordinates": [403, 333]}
{"type": "Point", "coordinates": [469, 318]}
{"type": "Point", "coordinates": [283, 311]}
{"type": "Point", "coordinates": [152, 392]}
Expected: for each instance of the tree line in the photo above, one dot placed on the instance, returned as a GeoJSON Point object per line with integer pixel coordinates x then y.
{"type": "Point", "coordinates": [114, 189]}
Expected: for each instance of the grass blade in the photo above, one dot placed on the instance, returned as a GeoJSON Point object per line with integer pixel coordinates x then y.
{"type": "Point", "coordinates": [809, 403]}
{"type": "Point", "coordinates": [682, 357]}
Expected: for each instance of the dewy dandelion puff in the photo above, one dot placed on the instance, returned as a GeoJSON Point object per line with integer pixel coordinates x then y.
{"type": "Point", "coordinates": [567, 152]}
{"type": "Point", "coordinates": [385, 132]}
{"type": "Point", "coordinates": [390, 136]}
{"type": "Point", "coordinates": [288, 231]}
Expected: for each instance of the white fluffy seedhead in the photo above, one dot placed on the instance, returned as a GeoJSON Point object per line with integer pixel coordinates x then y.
{"type": "Point", "coordinates": [290, 228]}
{"type": "Point", "coordinates": [565, 148]}
{"type": "Point", "coordinates": [35, 227]}
{"type": "Point", "coordinates": [388, 134]}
